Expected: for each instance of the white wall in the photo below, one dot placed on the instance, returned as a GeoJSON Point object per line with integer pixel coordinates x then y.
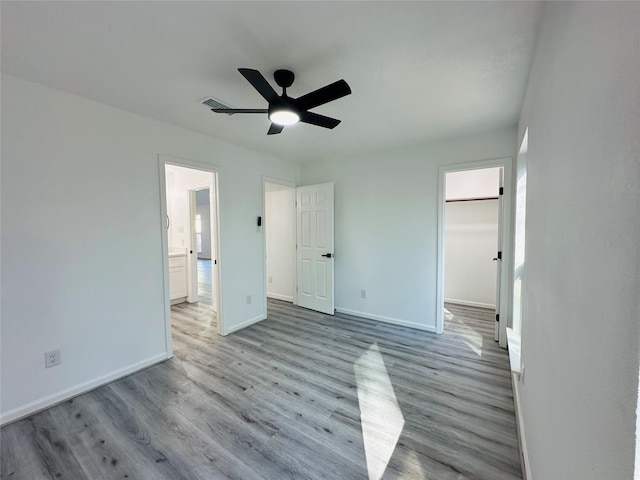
{"type": "Point", "coordinates": [386, 208]}
{"type": "Point", "coordinates": [471, 242]}
{"type": "Point", "coordinates": [468, 184]}
{"type": "Point", "coordinates": [183, 179]}
{"type": "Point", "coordinates": [581, 322]}
{"type": "Point", "coordinates": [280, 241]}
{"type": "Point", "coordinates": [89, 279]}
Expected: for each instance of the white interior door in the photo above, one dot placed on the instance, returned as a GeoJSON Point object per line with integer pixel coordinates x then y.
{"type": "Point", "coordinates": [315, 255]}
{"type": "Point", "coordinates": [498, 257]}
{"type": "Point", "coordinates": [209, 224]}
{"type": "Point", "coordinates": [213, 220]}
{"type": "Point", "coordinates": [192, 252]}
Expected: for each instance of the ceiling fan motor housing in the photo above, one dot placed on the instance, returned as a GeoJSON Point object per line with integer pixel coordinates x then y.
{"type": "Point", "coordinates": [283, 103]}
{"type": "Point", "coordinates": [284, 78]}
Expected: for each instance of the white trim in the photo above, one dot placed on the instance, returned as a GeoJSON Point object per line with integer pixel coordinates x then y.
{"type": "Point", "coordinates": [164, 235]}
{"type": "Point", "coordinates": [393, 321]}
{"type": "Point", "coordinates": [277, 296]}
{"type": "Point", "coordinates": [246, 324]}
{"type": "Point", "coordinates": [470, 304]}
{"type": "Point", "coordinates": [505, 277]}
{"type": "Point", "coordinates": [522, 443]}
{"type": "Point", "coordinates": [59, 397]}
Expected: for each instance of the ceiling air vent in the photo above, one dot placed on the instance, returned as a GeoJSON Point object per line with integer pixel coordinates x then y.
{"type": "Point", "coordinates": [211, 102]}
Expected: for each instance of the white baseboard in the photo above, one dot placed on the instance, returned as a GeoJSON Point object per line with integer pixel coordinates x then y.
{"type": "Point", "coordinates": [277, 296]}
{"type": "Point", "coordinates": [524, 454]}
{"type": "Point", "coordinates": [246, 324]}
{"type": "Point", "coordinates": [59, 397]}
{"type": "Point", "coordinates": [470, 304]}
{"type": "Point", "coordinates": [380, 318]}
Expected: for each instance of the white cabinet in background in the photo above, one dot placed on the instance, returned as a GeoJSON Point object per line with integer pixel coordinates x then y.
{"type": "Point", "coordinates": [177, 278]}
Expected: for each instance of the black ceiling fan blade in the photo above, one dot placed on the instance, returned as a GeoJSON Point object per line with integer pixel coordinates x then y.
{"type": "Point", "coordinates": [231, 111]}
{"type": "Point", "coordinates": [324, 95]}
{"type": "Point", "coordinates": [275, 129]}
{"type": "Point", "coordinates": [263, 87]}
{"type": "Point", "coordinates": [319, 120]}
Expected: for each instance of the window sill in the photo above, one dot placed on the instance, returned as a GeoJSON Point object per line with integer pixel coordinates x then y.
{"type": "Point", "coordinates": [513, 341]}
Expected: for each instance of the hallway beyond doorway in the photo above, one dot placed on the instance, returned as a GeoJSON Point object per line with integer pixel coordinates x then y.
{"type": "Point", "coordinates": [200, 311]}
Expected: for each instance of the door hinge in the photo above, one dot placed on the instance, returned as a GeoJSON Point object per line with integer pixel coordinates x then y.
{"type": "Point", "coordinates": [497, 317]}
{"type": "Point", "coordinates": [501, 190]}
{"type": "Point", "coordinates": [499, 255]}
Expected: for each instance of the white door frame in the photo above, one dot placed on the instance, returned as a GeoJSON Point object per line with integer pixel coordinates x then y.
{"type": "Point", "coordinates": [277, 181]}
{"type": "Point", "coordinates": [505, 273]}
{"type": "Point", "coordinates": [164, 160]}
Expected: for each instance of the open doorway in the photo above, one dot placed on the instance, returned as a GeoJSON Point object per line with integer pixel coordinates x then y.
{"type": "Point", "coordinates": [203, 227]}
{"type": "Point", "coordinates": [280, 240]}
{"type": "Point", "coordinates": [471, 236]}
{"type": "Point", "coordinates": [191, 243]}
{"type": "Point", "coordinates": [471, 241]}
{"type": "Point", "coordinates": [473, 229]}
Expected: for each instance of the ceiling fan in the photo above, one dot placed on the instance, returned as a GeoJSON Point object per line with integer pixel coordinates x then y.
{"type": "Point", "coordinates": [284, 110]}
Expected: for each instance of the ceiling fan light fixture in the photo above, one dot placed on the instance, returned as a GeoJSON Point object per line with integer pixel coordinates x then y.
{"type": "Point", "coordinates": [284, 117]}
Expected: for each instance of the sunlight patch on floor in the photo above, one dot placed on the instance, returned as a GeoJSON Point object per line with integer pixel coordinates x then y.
{"type": "Point", "coordinates": [380, 414]}
{"type": "Point", "coordinates": [470, 337]}
{"type": "Point", "coordinates": [448, 315]}
{"type": "Point", "coordinates": [412, 467]}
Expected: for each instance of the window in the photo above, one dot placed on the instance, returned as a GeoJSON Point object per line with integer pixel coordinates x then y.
{"type": "Point", "coordinates": [199, 233]}
{"type": "Point", "coordinates": [519, 252]}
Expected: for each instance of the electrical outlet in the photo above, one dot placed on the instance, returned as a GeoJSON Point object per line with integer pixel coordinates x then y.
{"type": "Point", "coordinates": [270, 279]}
{"type": "Point", "coordinates": [248, 299]}
{"type": "Point", "coordinates": [52, 358]}
{"type": "Point", "coordinates": [363, 294]}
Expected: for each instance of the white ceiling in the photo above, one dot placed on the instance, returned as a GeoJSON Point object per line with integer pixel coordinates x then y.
{"type": "Point", "coordinates": [418, 70]}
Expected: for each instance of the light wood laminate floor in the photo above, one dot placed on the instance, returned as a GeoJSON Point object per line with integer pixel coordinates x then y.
{"type": "Point", "coordinates": [301, 395]}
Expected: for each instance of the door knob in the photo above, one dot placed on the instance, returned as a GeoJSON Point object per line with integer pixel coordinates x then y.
{"type": "Point", "coordinates": [328, 255]}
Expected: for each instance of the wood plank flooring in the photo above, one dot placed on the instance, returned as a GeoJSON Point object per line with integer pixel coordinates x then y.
{"type": "Point", "coordinates": [301, 395]}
